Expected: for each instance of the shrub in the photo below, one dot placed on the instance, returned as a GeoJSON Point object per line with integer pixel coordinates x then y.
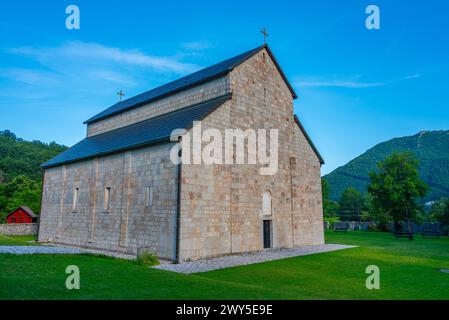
{"type": "Point", "coordinates": [330, 221]}
{"type": "Point", "coordinates": [147, 259]}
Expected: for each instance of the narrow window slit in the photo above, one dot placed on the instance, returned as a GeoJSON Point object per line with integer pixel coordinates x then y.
{"type": "Point", "coordinates": [107, 199]}
{"type": "Point", "coordinates": [149, 197]}
{"type": "Point", "coordinates": [75, 199]}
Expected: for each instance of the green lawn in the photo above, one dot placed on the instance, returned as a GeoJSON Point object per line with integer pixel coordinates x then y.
{"type": "Point", "coordinates": [409, 270]}
{"type": "Point", "coordinates": [17, 240]}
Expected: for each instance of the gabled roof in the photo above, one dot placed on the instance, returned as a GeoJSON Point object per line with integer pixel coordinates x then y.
{"type": "Point", "coordinates": [194, 79]}
{"type": "Point", "coordinates": [144, 133]}
{"type": "Point", "coordinates": [26, 209]}
{"type": "Point", "coordinates": [306, 135]}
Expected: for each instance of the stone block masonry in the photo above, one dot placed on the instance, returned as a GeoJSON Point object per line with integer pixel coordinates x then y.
{"type": "Point", "coordinates": [19, 229]}
{"type": "Point", "coordinates": [221, 205]}
{"type": "Point", "coordinates": [74, 211]}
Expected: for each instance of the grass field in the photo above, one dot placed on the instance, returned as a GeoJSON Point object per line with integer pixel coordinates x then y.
{"type": "Point", "coordinates": [17, 240]}
{"type": "Point", "coordinates": [409, 270]}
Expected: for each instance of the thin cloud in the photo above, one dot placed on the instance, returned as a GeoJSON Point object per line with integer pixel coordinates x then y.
{"type": "Point", "coordinates": [351, 83]}
{"type": "Point", "coordinates": [339, 84]}
{"type": "Point", "coordinates": [197, 45]}
{"type": "Point", "coordinates": [30, 76]}
{"type": "Point", "coordinates": [111, 76]}
{"type": "Point", "coordinates": [96, 52]}
{"type": "Point", "coordinates": [83, 68]}
{"type": "Point", "coordinates": [413, 76]}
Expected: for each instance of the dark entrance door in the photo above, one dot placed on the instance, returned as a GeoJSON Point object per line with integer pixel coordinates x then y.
{"type": "Point", "coordinates": [267, 234]}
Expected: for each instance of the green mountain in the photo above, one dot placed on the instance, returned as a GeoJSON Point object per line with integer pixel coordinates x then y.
{"type": "Point", "coordinates": [20, 157]}
{"type": "Point", "coordinates": [20, 172]}
{"type": "Point", "coordinates": [430, 147]}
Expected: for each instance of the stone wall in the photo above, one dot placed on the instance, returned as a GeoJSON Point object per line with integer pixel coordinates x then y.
{"type": "Point", "coordinates": [204, 92]}
{"type": "Point", "coordinates": [128, 224]}
{"type": "Point", "coordinates": [221, 210]}
{"type": "Point", "coordinates": [19, 229]}
{"type": "Point", "coordinates": [263, 100]}
{"type": "Point", "coordinates": [205, 201]}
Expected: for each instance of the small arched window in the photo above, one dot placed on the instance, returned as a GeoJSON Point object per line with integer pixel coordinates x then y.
{"type": "Point", "coordinates": [266, 203]}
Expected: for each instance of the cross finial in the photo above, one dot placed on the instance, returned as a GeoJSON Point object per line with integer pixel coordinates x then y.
{"type": "Point", "coordinates": [121, 94]}
{"type": "Point", "coordinates": [265, 35]}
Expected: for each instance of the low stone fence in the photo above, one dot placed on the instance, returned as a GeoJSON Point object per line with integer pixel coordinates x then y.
{"type": "Point", "coordinates": [354, 225]}
{"type": "Point", "coordinates": [419, 228]}
{"type": "Point", "coordinates": [19, 229]}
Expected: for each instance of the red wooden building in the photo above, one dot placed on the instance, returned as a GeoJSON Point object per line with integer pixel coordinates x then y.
{"type": "Point", "coordinates": [21, 215]}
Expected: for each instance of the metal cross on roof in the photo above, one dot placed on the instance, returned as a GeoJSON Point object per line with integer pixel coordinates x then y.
{"type": "Point", "coordinates": [265, 35]}
{"type": "Point", "coordinates": [121, 94]}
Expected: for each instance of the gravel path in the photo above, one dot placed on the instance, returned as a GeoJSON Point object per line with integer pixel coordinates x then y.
{"type": "Point", "coordinates": [248, 258]}
{"type": "Point", "coordinates": [37, 250]}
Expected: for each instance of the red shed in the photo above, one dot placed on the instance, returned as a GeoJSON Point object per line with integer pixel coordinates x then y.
{"type": "Point", "coordinates": [21, 215]}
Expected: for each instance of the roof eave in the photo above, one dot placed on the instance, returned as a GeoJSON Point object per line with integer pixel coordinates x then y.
{"type": "Point", "coordinates": [226, 97]}
{"type": "Point", "coordinates": [284, 77]}
{"type": "Point", "coordinates": [309, 140]}
{"type": "Point", "coordinates": [101, 154]}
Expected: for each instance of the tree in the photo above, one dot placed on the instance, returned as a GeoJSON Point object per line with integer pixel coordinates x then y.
{"type": "Point", "coordinates": [440, 211]}
{"type": "Point", "coordinates": [370, 213]}
{"type": "Point", "coordinates": [19, 191]}
{"type": "Point", "coordinates": [19, 157]}
{"type": "Point", "coordinates": [330, 207]}
{"type": "Point", "coordinates": [396, 187]}
{"type": "Point", "coordinates": [351, 204]}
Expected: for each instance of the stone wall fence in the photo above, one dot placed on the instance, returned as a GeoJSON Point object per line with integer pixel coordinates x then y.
{"type": "Point", "coordinates": [19, 229]}
{"type": "Point", "coordinates": [354, 225]}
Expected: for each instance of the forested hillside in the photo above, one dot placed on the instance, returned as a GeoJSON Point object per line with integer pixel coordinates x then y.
{"type": "Point", "coordinates": [431, 148]}
{"type": "Point", "coordinates": [20, 172]}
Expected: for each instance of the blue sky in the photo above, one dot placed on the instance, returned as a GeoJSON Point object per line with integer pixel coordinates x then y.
{"type": "Point", "coordinates": [357, 87]}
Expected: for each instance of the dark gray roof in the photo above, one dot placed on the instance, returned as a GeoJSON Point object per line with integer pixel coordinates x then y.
{"type": "Point", "coordinates": [26, 209]}
{"type": "Point", "coordinates": [204, 75]}
{"type": "Point", "coordinates": [140, 134]}
{"type": "Point", "coordinates": [306, 135]}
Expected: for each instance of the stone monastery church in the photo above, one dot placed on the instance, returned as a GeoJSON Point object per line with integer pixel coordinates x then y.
{"type": "Point", "coordinates": [118, 190]}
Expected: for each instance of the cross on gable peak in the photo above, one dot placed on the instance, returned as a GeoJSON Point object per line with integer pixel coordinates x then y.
{"type": "Point", "coordinates": [265, 34]}
{"type": "Point", "coordinates": [121, 94]}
